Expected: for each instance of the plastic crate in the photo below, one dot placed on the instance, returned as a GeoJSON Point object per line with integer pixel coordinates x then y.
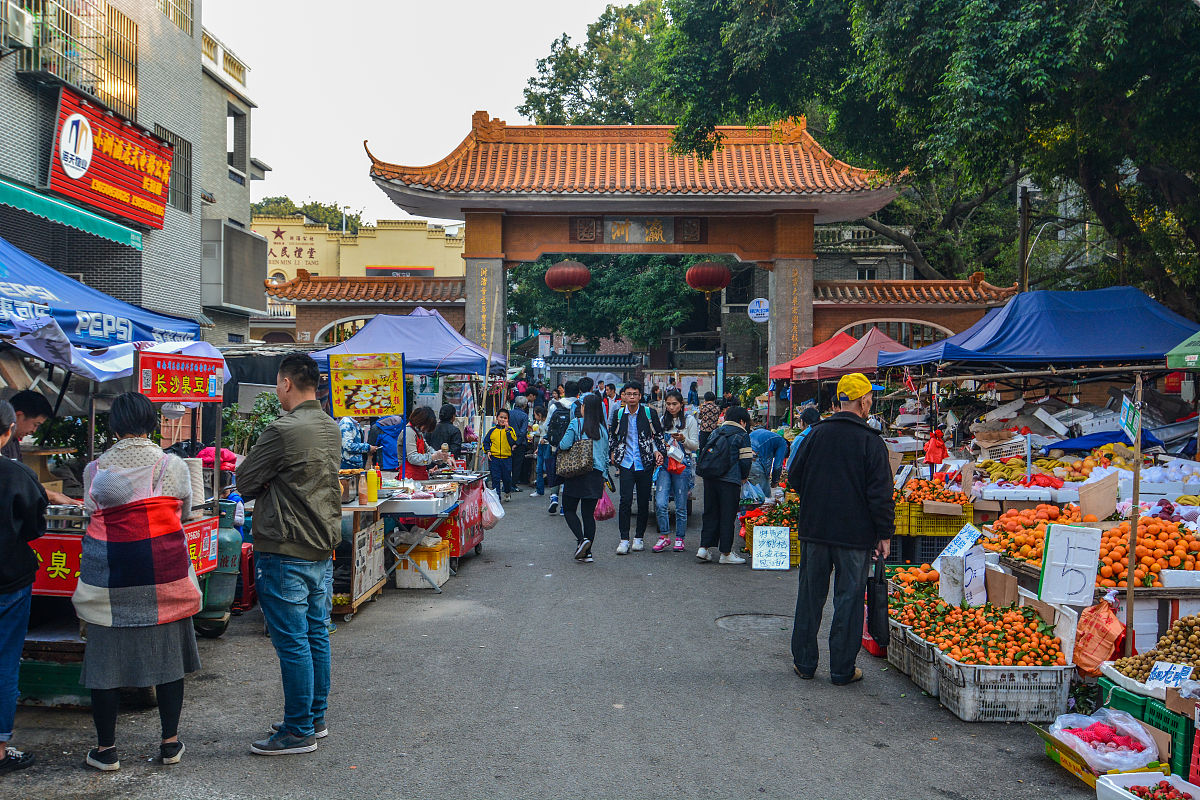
{"type": "Point", "coordinates": [1013, 447]}
{"type": "Point", "coordinates": [1113, 696]}
{"type": "Point", "coordinates": [903, 511]}
{"type": "Point", "coordinates": [922, 524]}
{"type": "Point", "coordinates": [977, 693]}
{"type": "Point", "coordinates": [923, 663]}
{"type": "Point", "coordinates": [897, 651]}
{"type": "Point", "coordinates": [1181, 731]}
{"type": "Point", "coordinates": [930, 547]}
{"type": "Point", "coordinates": [1194, 771]}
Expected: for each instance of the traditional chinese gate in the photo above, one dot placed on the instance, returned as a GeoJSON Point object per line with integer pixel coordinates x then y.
{"type": "Point", "coordinates": [529, 190]}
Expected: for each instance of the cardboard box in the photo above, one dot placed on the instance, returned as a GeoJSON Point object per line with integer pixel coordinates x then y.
{"type": "Point", "coordinates": [53, 486]}
{"type": "Point", "coordinates": [1180, 705]}
{"type": "Point", "coordinates": [942, 509]}
{"type": "Point", "coordinates": [1072, 762]}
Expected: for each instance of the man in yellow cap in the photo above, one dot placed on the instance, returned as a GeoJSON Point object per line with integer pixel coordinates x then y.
{"type": "Point", "coordinates": [844, 480]}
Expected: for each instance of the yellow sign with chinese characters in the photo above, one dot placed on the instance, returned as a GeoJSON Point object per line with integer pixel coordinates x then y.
{"type": "Point", "coordinates": [367, 385]}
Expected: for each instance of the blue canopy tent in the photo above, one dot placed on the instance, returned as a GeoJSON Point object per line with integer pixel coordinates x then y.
{"type": "Point", "coordinates": [1118, 325]}
{"type": "Point", "coordinates": [30, 289]}
{"type": "Point", "coordinates": [430, 345]}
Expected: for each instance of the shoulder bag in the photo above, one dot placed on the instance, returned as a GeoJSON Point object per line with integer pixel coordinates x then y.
{"type": "Point", "coordinates": [577, 459]}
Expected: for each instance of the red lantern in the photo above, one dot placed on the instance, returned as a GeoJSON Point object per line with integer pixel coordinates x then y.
{"type": "Point", "coordinates": [708, 277]}
{"type": "Point", "coordinates": [567, 277]}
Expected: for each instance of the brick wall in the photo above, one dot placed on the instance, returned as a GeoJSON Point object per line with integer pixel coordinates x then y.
{"type": "Point", "coordinates": [232, 198]}
{"type": "Point", "coordinates": [829, 319]}
{"type": "Point", "coordinates": [224, 324]}
{"type": "Point", "coordinates": [312, 318]}
{"type": "Point", "coordinates": [889, 266]}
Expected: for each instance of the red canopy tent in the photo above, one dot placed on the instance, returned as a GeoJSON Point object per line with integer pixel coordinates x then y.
{"type": "Point", "coordinates": [862, 356]}
{"type": "Point", "coordinates": [817, 354]}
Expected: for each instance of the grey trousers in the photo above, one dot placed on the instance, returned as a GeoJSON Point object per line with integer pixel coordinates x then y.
{"type": "Point", "coordinates": [817, 561]}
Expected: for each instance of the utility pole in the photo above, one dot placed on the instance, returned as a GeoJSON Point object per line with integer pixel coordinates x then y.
{"type": "Point", "coordinates": [1023, 259]}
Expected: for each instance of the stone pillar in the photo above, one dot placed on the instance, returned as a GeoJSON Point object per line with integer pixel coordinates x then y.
{"type": "Point", "coordinates": [791, 294]}
{"type": "Point", "coordinates": [487, 307]}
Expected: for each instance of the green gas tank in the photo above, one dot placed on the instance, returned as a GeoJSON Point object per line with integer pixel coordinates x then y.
{"type": "Point", "coordinates": [220, 585]}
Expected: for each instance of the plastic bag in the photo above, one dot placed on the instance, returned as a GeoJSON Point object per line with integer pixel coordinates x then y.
{"type": "Point", "coordinates": [1100, 761]}
{"type": "Point", "coordinates": [1096, 637]}
{"type": "Point", "coordinates": [751, 492]}
{"type": "Point", "coordinates": [605, 508]}
{"type": "Point", "coordinates": [493, 509]}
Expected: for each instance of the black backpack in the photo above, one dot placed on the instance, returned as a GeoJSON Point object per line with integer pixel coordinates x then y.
{"type": "Point", "coordinates": [556, 425]}
{"type": "Point", "coordinates": [717, 457]}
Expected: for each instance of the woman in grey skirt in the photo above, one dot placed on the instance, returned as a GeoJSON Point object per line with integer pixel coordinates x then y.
{"type": "Point", "coordinates": [137, 590]}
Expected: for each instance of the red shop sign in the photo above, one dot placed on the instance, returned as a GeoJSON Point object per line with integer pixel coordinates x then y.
{"type": "Point", "coordinates": [202, 543]}
{"type": "Point", "coordinates": [174, 378]}
{"type": "Point", "coordinates": [58, 556]}
{"type": "Point", "coordinates": [108, 163]}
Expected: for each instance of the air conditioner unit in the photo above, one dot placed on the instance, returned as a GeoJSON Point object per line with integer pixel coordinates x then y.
{"type": "Point", "coordinates": [21, 27]}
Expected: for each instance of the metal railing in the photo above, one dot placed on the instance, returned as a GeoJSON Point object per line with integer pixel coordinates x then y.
{"type": "Point", "coordinates": [70, 43]}
{"type": "Point", "coordinates": [844, 236]}
{"type": "Point", "coordinates": [279, 310]}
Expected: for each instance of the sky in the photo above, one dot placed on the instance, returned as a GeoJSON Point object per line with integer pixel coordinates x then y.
{"type": "Point", "coordinates": [406, 75]}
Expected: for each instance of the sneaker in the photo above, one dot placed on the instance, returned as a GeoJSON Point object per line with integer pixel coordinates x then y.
{"type": "Point", "coordinates": [322, 730]}
{"type": "Point", "coordinates": [508, 497]}
{"type": "Point", "coordinates": [639, 544]}
{"type": "Point", "coordinates": [854, 678]}
{"type": "Point", "coordinates": [623, 547]}
{"type": "Point", "coordinates": [537, 494]}
{"type": "Point", "coordinates": [517, 490]}
{"type": "Point", "coordinates": [730, 558]}
{"type": "Point", "coordinates": [553, 504]}
{"type": "Point", "coordinates": [589, 559]}
{"type": "Point", "coordinates": [703, 554]}
{"type": "Point", "coordinates": [562, 511]}
{"type": "Point", "coordinates": [583, 549]}
{"type": "Point", "coordinates": [679, 548]}
{"type": "Point", "coordinates": [284, 743]}
{"type": "Point", "coordinates": [661, 544]}
{"type": "Point", "coordinates": [14, 760]}
{"type": "Point", "coordinates": [103, 760]}
{"type": "Point", "coordinates": [171, 752]}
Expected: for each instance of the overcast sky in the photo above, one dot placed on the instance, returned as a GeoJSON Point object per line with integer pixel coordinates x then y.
{"type": "Point", "coordinates": [405, 75]}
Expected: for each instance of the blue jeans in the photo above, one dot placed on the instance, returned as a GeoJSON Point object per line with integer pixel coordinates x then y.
{"type": "Point", "coordinates": [501, 469]}
{"type": "Point", "coordinates": [14, 622]}
{"type": "Point", "coordinates": [543, 462]}
{"type": "Point", "coordinates": [669, 486]}
{"type": "Point", "coordinates": [294, 595]}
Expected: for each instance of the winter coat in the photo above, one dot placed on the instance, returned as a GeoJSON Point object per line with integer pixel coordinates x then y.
{"type": "Point", "coordinates": [739, 468]}
{"type": "Point", "coordinates": [649, 432]}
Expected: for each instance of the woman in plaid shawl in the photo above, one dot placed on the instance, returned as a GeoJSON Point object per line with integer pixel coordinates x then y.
{"type": "Point", "coordinates": [137, 589]}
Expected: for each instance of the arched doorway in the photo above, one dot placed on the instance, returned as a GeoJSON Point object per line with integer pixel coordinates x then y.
{"type": "Point", "coordinates": [342, 329]}
{"type": "Point", "coordinates": [911, 333]}
{"type": "Point", "coordinates": [279, 337]}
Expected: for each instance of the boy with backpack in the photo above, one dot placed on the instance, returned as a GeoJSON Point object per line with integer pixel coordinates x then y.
{"type": "Point", "coordinates": [637, 447]}
{"type": "Point", "coordinates": [500, 442]}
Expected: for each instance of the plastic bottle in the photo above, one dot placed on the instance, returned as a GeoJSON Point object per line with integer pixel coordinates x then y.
{"type": "Point", "coordinates": [372, 486]}
{"type": "Point", "coordinates": [362, 488]}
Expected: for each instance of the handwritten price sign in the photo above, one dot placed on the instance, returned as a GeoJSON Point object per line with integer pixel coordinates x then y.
{"type": "Point", "coordinates": [772, 547]}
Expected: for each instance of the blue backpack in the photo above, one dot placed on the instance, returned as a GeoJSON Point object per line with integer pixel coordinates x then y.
{"type": "Point", "coordinates": [389, 437]}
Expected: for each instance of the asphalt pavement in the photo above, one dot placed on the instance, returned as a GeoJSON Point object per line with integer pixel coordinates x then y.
{"type": "Point", "coordinates": [649, 675]}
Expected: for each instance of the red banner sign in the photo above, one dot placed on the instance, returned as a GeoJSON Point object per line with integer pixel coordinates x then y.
{"type": "Point", "coordinates": [173, 378]}
{"type": "Point", "coordinates": [202, 543]}
{"type": "Point", "coordinates": [108, 163]}
{"type": "Point", "coordinates": [58, 556]}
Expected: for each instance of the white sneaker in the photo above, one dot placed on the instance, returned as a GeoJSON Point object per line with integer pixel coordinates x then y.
{"type": "Point", "coordinates": [703, 555]}
{"type": "Point", "coordinates": [623, 547]}
{"type": "Point", "coordinates": [732, 559]}
{"type": "Point", "coordinates": [639, 544]}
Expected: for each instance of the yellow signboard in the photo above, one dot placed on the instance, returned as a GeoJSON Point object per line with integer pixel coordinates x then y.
{"type": "Point", "coordinates": [369, 385]}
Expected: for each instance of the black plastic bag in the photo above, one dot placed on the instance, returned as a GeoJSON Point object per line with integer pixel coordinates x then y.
{"type": "Point", "coordinates": [877, 603]}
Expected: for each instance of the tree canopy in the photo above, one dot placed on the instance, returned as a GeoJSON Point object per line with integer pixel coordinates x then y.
{"type": "Point", "coordinates": [328, 213]}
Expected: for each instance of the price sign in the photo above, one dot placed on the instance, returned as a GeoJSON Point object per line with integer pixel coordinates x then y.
{"type": "Point", "coordinates": [772, 547]}
{"type": "Point", "coordinates": [1069, 565]}
{"type": "Point", "coordinates": [1168, 674]}
{"type": "Point", "coordinates": [368, 385]}
{"type": "Point", "coordinates": [963, 578]}
{"type": "Point", "coordinates": [1131, 419]}
{"type": "Point", "coordinates": [963, 541]}
{"type": "Point", "coordinates": [58, 560]}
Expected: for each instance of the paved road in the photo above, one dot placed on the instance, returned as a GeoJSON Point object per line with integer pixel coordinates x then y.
{"type": "Point", "coordinates": [537, 677]}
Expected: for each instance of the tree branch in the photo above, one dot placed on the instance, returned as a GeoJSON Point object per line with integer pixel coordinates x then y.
{"type": "Point", "coordinates": [961, 207]}
{"type": "Point", "coordinates": [920, 264]}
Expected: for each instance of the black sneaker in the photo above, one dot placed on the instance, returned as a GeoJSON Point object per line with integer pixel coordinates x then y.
{"type": "Point", "coordinates": [171, 752]}
{"type": "Point", "coordinates": [589, 559]}
{"type": "Point", "coordinates": [322, 730]}
{"type": "Point", "coordinates": [584, 548]}
{"type": "Point", "coordinates": [284, 743]}
{"type": "Point", "coordinates": [14, 760]}
{"type": "Point", "coordinates": [103, 760]}
{"type": "Point", "coordinates": [553, 504]}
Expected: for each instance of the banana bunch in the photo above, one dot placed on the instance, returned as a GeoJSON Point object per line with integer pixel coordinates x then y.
{"type": "Point", "coordinates": [1188, 500]}
{"type": "Point", "coordinates": [1011, 470]}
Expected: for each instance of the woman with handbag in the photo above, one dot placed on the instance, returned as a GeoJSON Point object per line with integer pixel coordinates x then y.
{"type": "Point", "coordinates": [682, 433]}
{"type": "Point", "coordinates": [582, 461]}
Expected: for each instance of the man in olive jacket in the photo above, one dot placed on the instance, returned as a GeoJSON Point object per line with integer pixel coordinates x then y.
{"type": "Point", "coordinates": [844, 481]}
{"type": "Point", "coordinates": [292, 475]}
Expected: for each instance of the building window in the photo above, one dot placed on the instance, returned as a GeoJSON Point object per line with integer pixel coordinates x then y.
{"type": "Point", "coordinates": [278, 278]}
{"type": "Point", "coordinates": [237, 148]}
{"type": "Point", "coordinates": [118, 89]}
{"type": "Point", "coordinates": [70, 42]}
{"type": "Point", "coordinates": [741, 287]}
{"type": "Point", "coordinates": [181, 170]}
{"type": "Point", "coordinates": [236, 338]}
{"type": "Point", "coordinates": [180, 12]}
{"type": "Point", "coordinates": [867, 273]}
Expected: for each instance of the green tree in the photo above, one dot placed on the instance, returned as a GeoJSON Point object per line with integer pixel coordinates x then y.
{"type": "Point", "coordinates": [328, 213]}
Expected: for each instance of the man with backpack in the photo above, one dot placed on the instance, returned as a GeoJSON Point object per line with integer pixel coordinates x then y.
{"type": "Point", "coordinates": [724, 463]}
{"type": "Point", "coordinates": [558, 417]}
{"type": "Point", "coordinates": [636, 447]}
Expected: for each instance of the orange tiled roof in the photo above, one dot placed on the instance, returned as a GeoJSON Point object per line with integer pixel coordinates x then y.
{"type": "Point", "coordinates": [306, 288]}
{"type": "Point", "coordinates": [975, 291]}
{"type": "Point", "coordinates": [625, 159]}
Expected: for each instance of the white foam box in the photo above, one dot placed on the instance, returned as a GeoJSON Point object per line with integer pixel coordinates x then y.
{"type": "Point", "coordinates": [1104, 421]}
{"type": "Point", "coordinates": [1151, 491]}
{"type": "Point", "coordinates": [1006, 411]}
{"type": "Point", "coordinates": [1069, 493]}
{"type": "Point", "coordinates": [1113, 787]}
{"type": "Point", "coordinates": [1048, 419]}
{"type": "Point", "coordinates": [1178, 578]}
{"type": "Point", "coordinates": [902, 444]}
{"type": "Point", "coordinates": [1016, 493]}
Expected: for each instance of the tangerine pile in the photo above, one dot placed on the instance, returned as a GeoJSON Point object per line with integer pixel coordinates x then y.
{"type": "Point", "coordinates": [1161, 544]}
{"type": "Point", "coordinates": [918, 490]}
{"type": "Point", "coordinates": [988, 634]}
{"type": "Point", "coordinates": [915, 582]}
{"type": "Point", "coordinates": [1022, 534]}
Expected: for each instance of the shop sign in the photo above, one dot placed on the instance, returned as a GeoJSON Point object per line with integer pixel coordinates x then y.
{"type": "Point", "coordinates": [771, 547]}
{"type": "Point", "coordinates": [203, 543]}
{"type": "Point", "coordinates": [58, 556]}
{"type": "Point", "coordinates": [107, 163]}
{"type": "Point", "coordinates": [1131, 420]}
{"type": "Point", "coordinates": [759, 309]}
{"type": "Point", "coordinates": [470, 514]}
{"type": "Point", "coordinates": [368, 385]}
{"type": "Point", "coordinates": [175, 378]}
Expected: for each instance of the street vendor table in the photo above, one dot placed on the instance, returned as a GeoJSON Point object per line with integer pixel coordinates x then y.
{"type": "Point", "coordinates": [460, 524]}
{"type": "Point", "coordinates": [366, 559]}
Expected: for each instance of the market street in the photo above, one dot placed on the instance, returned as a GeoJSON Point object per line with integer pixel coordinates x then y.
{"type": "Point", "coordinates": [534, 676]}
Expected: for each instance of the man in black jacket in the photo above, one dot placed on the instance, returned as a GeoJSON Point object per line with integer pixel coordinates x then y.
{"type": "Point", "coordinates": [636, 446]}
{"type": "Point", "coordinates": [844, 480]}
